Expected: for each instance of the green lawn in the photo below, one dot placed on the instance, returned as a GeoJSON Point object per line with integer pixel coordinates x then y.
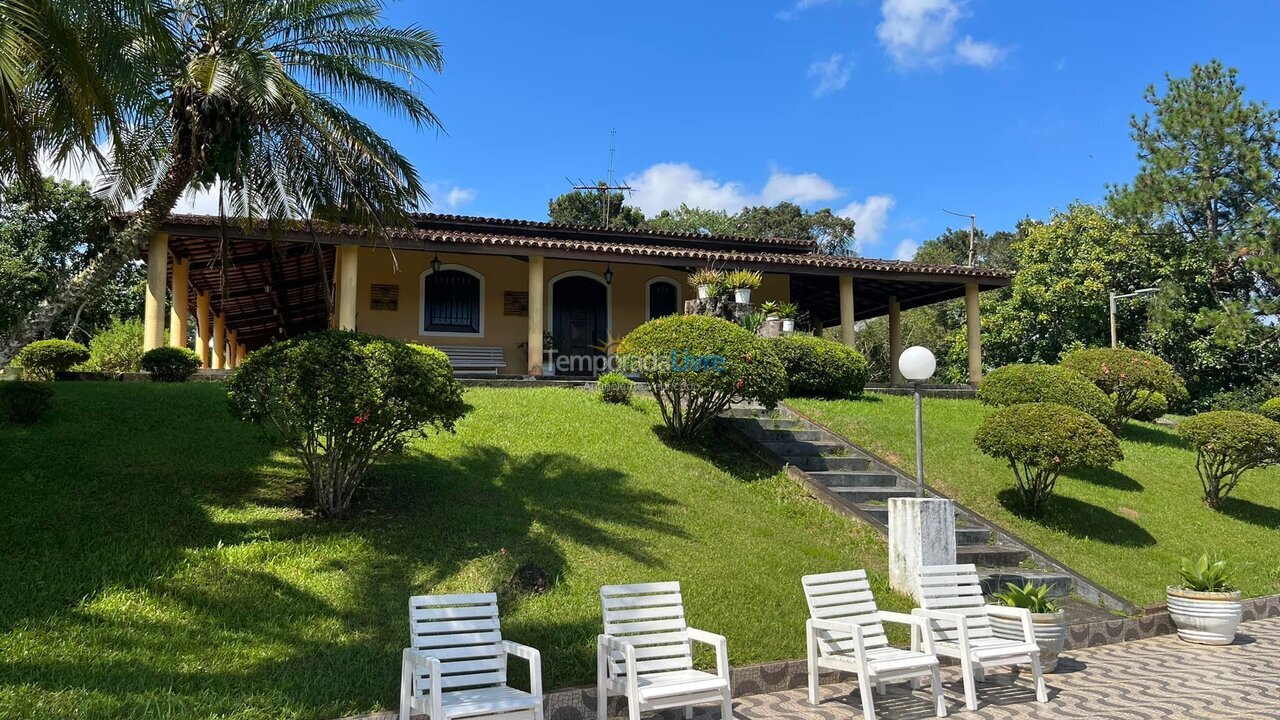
{"type": "Point", "coordinates": [156, 563]}
{"type": "Point", "coordinates": [1125, 528]}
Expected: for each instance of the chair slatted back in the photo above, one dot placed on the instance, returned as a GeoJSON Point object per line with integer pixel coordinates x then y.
{"type": "Point", "coordinates": [955, 589]}
{"type": "Point", "coordinates": [461, 631]}
{"type": "Point", "coordinates": [651, 616]}
{"type": "Point", "coordinates": [844, 597]}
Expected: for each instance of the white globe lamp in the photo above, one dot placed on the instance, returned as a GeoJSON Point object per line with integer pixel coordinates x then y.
{"type": "Point", "coordinates": [917, 364]}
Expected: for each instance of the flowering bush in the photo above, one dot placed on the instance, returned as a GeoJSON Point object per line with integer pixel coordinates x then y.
{"type": "Point", "coordinates": [343, 400]}
{"type": "Point", "coordinates": [697, 365]}
{"type": "Point", "coordinates": [1042, 440]}
{"type": "Point", "coordinates": [1229, 443]}
{"type": "Point", "coordinates": [1017, 384]}
{"type": "Point", "coordinates": [1128, 376]}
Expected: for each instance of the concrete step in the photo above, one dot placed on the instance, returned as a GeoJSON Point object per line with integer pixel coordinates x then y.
{"type": "Point", "coordinates": [972, 536]}
{"type": "Point", "coordinates": [878, 512]}
{"type": "Point", "coordinates": [789, 449]}
{"type": "Point", "coordinates": [747, 412]}
{"type": "Point", "coordinates": [860, 495]}
{"type": "Point", "coordinates": [820, 464]}
{"type": "Point", "coordinates": [756, 432]}
{"type": "Point", "coordinates": [839, 480]}
{"type": "Point", "coordinates": [767, 423]}
{"type": "Point", "coordinates": [990, 556]}
{"type": "Point", "coordinates": [994, 579]}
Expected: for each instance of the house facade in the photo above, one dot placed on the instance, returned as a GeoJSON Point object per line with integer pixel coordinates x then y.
{"type": "Point", "coordinates": [514, 297]}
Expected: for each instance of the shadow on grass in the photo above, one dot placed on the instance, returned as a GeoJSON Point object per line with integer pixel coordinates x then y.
{"type": "Point", "coordinates": [1151, 435]}
{"type": "Point", "coordinates": [726, 455]}
{"type": "Point", "coordinates": [1106, 477]}
{"type": "Point", "coordinates": [1251, 512]}
{"type": "Point", "coordinates": [1081, 520]}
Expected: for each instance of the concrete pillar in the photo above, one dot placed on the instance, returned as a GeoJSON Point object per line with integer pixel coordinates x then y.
{"type": "Point", "coordinates": [180, 311]}
{"type": "Point", "coordinates": [219, 342]}
{"type": "Point", "coordinates": [241, 352]}
{"type": "Point", "coordinates": [895, 340]}
{"type": "Point", "coordinates": [348, 260]}
{"type": "Point", "coordinates": [157, 274]}
{"type": "Point", "coordinates": [846, 310]}
{"type": "Point", "coordinates": [922, 531]}
{"type": "Point", "coordinates": [337, 287]}
{"type": "Point", "coordinates": [973, 326]}
{"type": "Point", "coordinates": [231, 349]}
{"type": "Point", "coordinates": [204, 328]}
{"type": "Point", "coordinates": [537, 311]}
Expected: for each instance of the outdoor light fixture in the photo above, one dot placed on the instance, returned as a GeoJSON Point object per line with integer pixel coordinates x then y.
{"type": "Point", "coordinates": [608, 275]}
{"type": "Point", "coordinates": [917, 364]}
{"type": "Point", "coordinates": [435, 263]}
{"type": "Point", "coordinates": [1115, 297]}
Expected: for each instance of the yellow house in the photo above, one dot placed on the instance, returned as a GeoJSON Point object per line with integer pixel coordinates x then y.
{"type": "Point", "coordinates": [506, 296]}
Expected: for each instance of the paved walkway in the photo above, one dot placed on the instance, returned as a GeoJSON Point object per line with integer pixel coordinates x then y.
{"type": "Point", "coordinates": [1158, 678]}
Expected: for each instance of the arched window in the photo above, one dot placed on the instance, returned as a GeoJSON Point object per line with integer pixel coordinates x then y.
{"type": "Point", "coordinates": [663, 298]}
{"type": "Point", "coordinates": [452, 301]}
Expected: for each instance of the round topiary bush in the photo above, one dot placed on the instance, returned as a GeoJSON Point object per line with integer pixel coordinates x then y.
{"type": "Point", "coordinates": [1128, 376]}
{"type": "Point", "coordinates": [697, 365]}
{"type": "Point", "coordinates": [1040, 441]}
{"type": "Point", "coordinates": [116, 349]}
{"type": "Point", "coordinates": [1271, 409]}
{"type": "Point", "coordinates": [344, 400]}
{"type": "Point", "coordinates": [170, 364]}
{"type": "Point", "coordinates": [1018, 384]}
{"type": "Point", "coordinates": [1229, 443]}
{"type": "Point", "coordinates": [1151, 407]}
{"type": "Point", "coordinates": [615, 388]}
{"type": "Point", "coordinates": [821, 368]}
{"type": "Point", "coordinates": [24, 402]}
{"type": "Point", "coordinates": [43, 359]}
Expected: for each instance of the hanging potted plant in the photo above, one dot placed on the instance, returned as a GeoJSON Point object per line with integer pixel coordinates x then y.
{"type": "Point", "coordinates": [742, 282]}
{"type": "Point", "coordinates": [708, 282]}
{"type": "Point", "coordinates": [1205, 608]}
{"type": "Point", "coordinates": [788, 312]}
{"type": "Point", "coordinates": [1047, 620]}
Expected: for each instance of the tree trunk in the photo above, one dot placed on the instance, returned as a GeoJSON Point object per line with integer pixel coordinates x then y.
{"type": "Point", "coordinates": [138, 232]}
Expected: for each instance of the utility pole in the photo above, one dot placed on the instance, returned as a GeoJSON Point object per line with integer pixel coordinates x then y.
{"type": "Point", "coordinates": [1115, 297]}
{"type": "Point", "coordinates": [973, 231]}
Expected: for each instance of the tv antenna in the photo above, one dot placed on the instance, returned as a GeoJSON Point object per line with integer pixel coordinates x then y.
{"type": "Point", "coordinates": [608, 185]}
{"type": "Point", "coordinates": [973, 222]}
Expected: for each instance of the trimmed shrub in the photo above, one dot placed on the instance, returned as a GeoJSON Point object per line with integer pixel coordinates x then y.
{"type": "Point", "coordinates": [1018, 384]}
{"type": "Point", "coordinates": [24, 402]}
{"type": "Point", "coordinates": [1040, 441]}
{"type": "Point", "coordinates": [697, 365]}
{"type": "Point", "coordinates": [43, 359]}
{"type": "Point", "coordinates": [344, 400]}
{"type": "Point", "coordinates": [1151, 408]}
{"type": "Point", "coordinates": [615, 388]}
{"type": "Point", "coordinates": [116, 349]}
{"type": "Point", "coordinates": [1228, 444]}
{"type": "Point", "coordinates": [170, 364]}
{"type": "Point", "coordinates": [1271, 409]}
{"type": "Point", "coordinates": [1127, 376]}
{"type": "Point", "coordinates": [821, 368]}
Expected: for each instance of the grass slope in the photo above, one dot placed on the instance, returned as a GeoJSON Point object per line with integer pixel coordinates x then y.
{"type": "Point", "coordinates": [1125, 528]}
{"type": "Point", "coordinates": [156, 564]}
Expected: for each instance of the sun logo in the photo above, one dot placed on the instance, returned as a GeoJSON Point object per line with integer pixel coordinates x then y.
{"type": "Point", "coordinates": [610, 346]}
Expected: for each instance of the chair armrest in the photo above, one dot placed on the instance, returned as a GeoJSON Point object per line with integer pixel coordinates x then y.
{"type": "Point", "coordinates": [853, 630]}
{"type": "Point", "coordinates": [413, 662]}
{"type": "Point", "coordinates": [719, 643]}
{"type": "Point", "coordinates": [1015, 613]}
{"type": "Point", "coordinates": [919, 627]}
{"type": "Point", "coordinates": [534, 659]}
{"type": "Point", "coordinates": [605, 644]}
{"type": "Point", "coordinates": [955, 620]}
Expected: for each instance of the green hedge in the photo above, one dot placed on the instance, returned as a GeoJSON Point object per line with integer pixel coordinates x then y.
{"type": "Point", "coordinates": [1271, 409]}
{"type": "Point", "coordinates": [1228, 444]}
{"type": "Point", "coordinates": [615, 388]}
{"type": "Point", "coordinates": [24, 402]}
{"type": "Point", "coordinates": [821, 368]}
{"type": "Point", "coordinates": [1128, 376]}
{"type": "Point", "coordinates": [170, 364]}
{"type": "Point", "coordinates": [1018, 384]}
{"type": "Point", "coordinates": [43, 359]}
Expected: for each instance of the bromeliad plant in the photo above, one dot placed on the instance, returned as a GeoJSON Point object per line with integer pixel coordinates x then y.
{"type": "Point", "coordinates": [1205, 575]}
{"type": "Point", "coordinates": [743, 279]}
{"type": "Point", "coordinates": [1032, 596]}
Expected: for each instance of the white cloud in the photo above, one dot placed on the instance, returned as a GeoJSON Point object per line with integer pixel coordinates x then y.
{"type": "Point", "coordinates": [981, 54]}
{"type": "Point", "coordinates": [84, 168]}
{"type": "Point", "coordinates": [457, 197]}
{"type": "Point", "coordinates": [906, 250]}
{"type": "Point", "coordinates": [666, 185]}
{"type": "Point", "coordinates": [870, 217]}
{"type": "Point", "coordinates": [800, 6]}
{"type": "Point", "coordinates": [832, 74]}
{"type": "Point", "coordinates": [800, 189]}
{"type": "Point", "coordinates": [919, 33]}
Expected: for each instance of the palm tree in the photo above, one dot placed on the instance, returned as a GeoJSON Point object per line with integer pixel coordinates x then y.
{"type": "Point", "coordinates": [246, 96]}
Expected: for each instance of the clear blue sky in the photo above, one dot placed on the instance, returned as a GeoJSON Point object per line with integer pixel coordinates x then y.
{"type": "Point", "coordinates": [888, 111]}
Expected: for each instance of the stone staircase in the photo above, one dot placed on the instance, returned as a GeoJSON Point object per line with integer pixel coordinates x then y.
{"type": "Point", "coordinates": [856, 483]}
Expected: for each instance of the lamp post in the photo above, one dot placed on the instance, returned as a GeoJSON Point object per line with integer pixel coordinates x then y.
{"type": "Point", "coordinates": [1115, 297]}
{"type": "Point", "coordinates": [917, 364]}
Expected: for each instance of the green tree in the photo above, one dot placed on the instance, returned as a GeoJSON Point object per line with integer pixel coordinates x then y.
{"type": "Point", "coordinates": [587, 208]}
{"type": "Point", "coordinates": [248, 97]}
{"type": "Point", "coordinates": [832, 234]}
{"type": "Point", "coordinates": [696, 220]}
{"type": "Point", "coordinates": [993, 250]}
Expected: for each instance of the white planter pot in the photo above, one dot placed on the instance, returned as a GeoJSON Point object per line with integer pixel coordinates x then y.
{"type": "Point", "coordinates": [742, 295]}
{"type": "Point", "coordinates": [704, 292]}
{"type": "Point", "coordinates": [788, 325]}
{"type": "Point", "coordinates": [1050, 631]}
{"type": "Point", "coordinates": [1208, 618]}
{"type": "Point", "coordinates": [771, 318]}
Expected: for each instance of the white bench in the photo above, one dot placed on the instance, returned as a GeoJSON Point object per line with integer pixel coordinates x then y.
{"type": "Point", "coordinates": [474, 358]}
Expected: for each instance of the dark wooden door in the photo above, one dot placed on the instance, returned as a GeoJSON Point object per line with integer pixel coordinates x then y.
{"type": "Point", "coordinates": [579, 319]}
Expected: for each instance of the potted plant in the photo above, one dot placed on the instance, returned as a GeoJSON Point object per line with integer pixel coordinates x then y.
{"type": "Point", "coordinates": [1205, 608]}
{"type": "Point", "coordinates": [742, 282]}
{"type": "Point", "coordinates": [708, 281]}
{"type": "Point", "coordinates": [1047, 619]}
{"type": "Point", "coordinates": [788, 312]}
{"type": "Point", "coordinates": [770, 309]}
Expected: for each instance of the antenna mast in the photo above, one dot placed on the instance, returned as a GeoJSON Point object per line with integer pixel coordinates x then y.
{"type": "Point", "coordinates": [608, 185]}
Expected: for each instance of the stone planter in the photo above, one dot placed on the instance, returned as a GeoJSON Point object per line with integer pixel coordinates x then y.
{"type": "Point", "coordinates": [1050, 631]}
{"type": "Point", "coordinates": [788, 325]}
{"type": "Point", "coordinates": [1208, 618]}
{"type": "Point", "coordinates": [704, 292]}
{"type": "Point", "coordinates": [742, 295]}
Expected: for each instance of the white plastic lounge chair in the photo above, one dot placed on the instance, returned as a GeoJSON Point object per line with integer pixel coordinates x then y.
{"type": "Point", "coordinates": [456, 662]}
{"type": "Point", "coordinates": [845, 632]}
{"type": "Point", "coordinates": [645, 653]}
{"type": "Point", "coordinates": [960, 624]}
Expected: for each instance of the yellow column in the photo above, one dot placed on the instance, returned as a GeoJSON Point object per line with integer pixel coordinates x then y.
{"type": "Point", "coordinates": [241, 352]}
{"type": "Point", "coordinates": [337, 288]}
{"type": "Point", "coordinates": [895, 340]}
{"type": "Point", "coordinates": [203, 328]}
{"type": "Point", "coordinates": [973, 324]}
{"type": "Point", "coordinates": [219, 342]}
{"type": "Point", "coordinates": [846, 310]}
{"type": "Point", "coordinates": [231, 349]}
{"type": "Point", "coordinates": [347, 267]}
{"type": "Point", "coordinates": [180, 311]}
{"type": "Point", "coordinates": [537, 311]}
{"type": "Point", "coordinates": [157, 271]}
